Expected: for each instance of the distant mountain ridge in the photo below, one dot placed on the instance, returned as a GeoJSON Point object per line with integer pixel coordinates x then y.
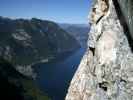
{"type": "Point", "coordinates": [24, 42]}
{"type": "Point", "coordinates": [79, 31]}
{"type": "Point", "coordinates": [65, 25]}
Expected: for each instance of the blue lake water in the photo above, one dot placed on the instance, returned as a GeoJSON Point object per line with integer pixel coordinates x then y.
{"type": "Point", "coordinates": [54, 77]}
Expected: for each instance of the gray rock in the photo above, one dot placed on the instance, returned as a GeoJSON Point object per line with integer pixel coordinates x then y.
{"type": "Point", "coordinates": [106, 71]}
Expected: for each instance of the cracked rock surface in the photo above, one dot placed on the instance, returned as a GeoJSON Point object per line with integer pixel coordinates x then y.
{"type": "Point", "coordinates": [106, 70]}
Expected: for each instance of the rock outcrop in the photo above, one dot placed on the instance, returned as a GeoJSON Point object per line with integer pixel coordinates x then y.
{"type": "Point", "coordinates": [106, 70]}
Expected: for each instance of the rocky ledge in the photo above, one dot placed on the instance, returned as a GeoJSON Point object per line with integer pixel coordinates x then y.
{"type": "Point", "coordinates": [106, 70]}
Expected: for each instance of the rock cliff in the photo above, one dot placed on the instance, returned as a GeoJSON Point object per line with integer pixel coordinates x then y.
{"type": "Point", "coordinates": [106, 70]}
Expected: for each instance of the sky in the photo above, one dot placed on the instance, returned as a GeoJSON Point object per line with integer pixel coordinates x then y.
{"type": "Point", "coordinates": [62, 11]}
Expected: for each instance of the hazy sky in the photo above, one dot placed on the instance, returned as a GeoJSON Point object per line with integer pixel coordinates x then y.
{"type": "Point", "coordinates": [69, 11]}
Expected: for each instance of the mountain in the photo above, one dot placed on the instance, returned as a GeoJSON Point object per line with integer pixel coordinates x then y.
{"type": "Point", "coordinates": [79, 31]}
{"type": "Point", "coordinates": [15, 86]}
{"type": "Point", "coordinates": [25, 42]}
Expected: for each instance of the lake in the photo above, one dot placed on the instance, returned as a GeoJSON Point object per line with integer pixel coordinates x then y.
{"type": "Point", "coordinates": [54, 77]}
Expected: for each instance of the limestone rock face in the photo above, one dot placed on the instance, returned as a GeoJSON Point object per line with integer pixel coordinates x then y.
{"type": "Point", "coordinates": [106, 70]}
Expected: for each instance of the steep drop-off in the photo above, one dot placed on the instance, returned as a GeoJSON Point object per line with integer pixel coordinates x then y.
{"type": "Point", "coordinates": [106, 70]}
{"type": "Point", "coordinates": [15, 86]}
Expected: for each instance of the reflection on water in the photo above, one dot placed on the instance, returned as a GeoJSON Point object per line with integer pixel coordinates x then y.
{"type": "Point", "coordinates": [54, 77]}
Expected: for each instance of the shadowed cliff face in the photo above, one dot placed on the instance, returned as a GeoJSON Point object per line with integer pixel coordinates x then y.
{"type": "Point", "coordinates": [127, 10]}
{"type": "Point", "coordinates": [106, 71]}
{"type": "Point", "coordinates": [124, 12]}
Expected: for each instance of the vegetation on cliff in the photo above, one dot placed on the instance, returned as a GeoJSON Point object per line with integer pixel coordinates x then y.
{"type": "Point", "coordinates": [15, 86]}
{"type": "Point", "coordinates": [24, 42]}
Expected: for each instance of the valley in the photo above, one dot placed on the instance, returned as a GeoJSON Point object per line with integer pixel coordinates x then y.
{"type": "Point", "coordinates": [35, 54]}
